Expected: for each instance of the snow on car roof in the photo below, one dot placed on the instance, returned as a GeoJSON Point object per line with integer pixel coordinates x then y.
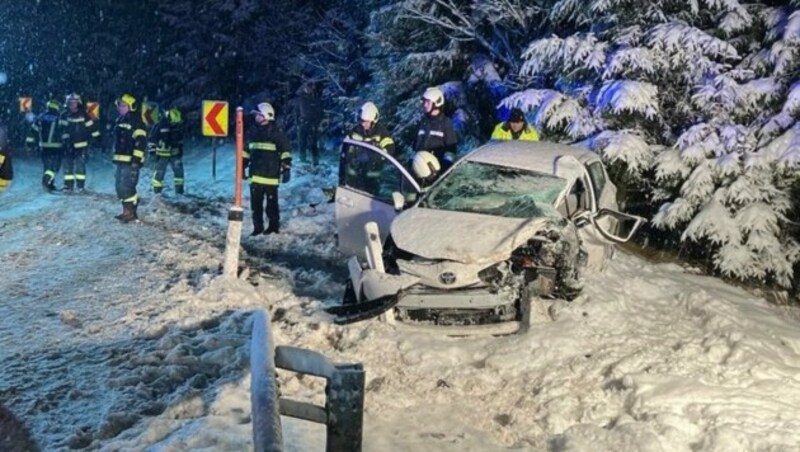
{"type": "Point", "coordinates": [529, 155]}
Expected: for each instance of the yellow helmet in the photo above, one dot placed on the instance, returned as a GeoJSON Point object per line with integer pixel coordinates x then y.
{"type": "Point", "coordinates": [128, 100]}
{"type": "Point", "coordinates": [174, 115]}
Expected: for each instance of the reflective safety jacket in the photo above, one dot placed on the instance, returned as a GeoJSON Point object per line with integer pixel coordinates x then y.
{"type": "Point", "coordinates": [436, 135]}
{"type": "Point", "coordinates": [503, 131]}
{"type": "Point", "coordinates": [377, 136]}
{"type": "Point", "coordinates": [176, 138]}
{"type": "Point", "coordinates": [47, 131]}
{"type": "Point", "coordinates": [267, 152]}
{"type": "Point", "coordinates": [158, 140]}
{"type": "Point", "coordinates": [80, 129]}
{"type": "Point", "coordinates": [6, 171]}
{"type": "Point", "coordinates": [130, 139]}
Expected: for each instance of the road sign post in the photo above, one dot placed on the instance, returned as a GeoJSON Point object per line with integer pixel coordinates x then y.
{"type": "Point", "coordinates": [215, 124]}
{"type": "Point", "coordinates": [230, 267]}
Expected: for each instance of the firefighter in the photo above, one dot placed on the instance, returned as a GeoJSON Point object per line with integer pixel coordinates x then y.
{"type": "Point", "coordinates": [268, 157]}
{"type": "Point", "coordinates": [6, 169]}
{"type": "Point", "coordinates": [46, 133]}
{"type": "Point", "coordinates": [130, 141]}
{"type": "Point", "coordinates": [165, 144]}
{"type": "Point", "coordinates": [79, 134]}
{"type": "Point", "coordinates": [365, 167]}
{"type": "Point", "coordinates": [436, 134]}
{"type": "Point", "coordinates": [369, 131]}
{"type": "Point", "coordinates": [516, 128]}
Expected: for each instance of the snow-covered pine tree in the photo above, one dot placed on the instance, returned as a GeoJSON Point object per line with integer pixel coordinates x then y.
{"type": "Point", "coordinates": [695, 99]}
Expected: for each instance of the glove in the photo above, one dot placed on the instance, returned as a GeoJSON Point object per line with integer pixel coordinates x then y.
{"type": "Point", "coordinates": [286, 173]}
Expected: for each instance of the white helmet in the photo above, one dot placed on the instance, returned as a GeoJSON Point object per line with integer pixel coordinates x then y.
{"type": "Point", "coordinates": [425, 165]}
{"type": "Point", "coordinates": [368, 112]}
{"type": "Point", "coordinates": [265, 109]}
{"type": "Point", "coordinates": [435, 95]}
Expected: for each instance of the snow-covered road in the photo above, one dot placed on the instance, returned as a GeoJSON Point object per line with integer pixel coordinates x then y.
{"type": "Point", "coordinates": [122, 337]}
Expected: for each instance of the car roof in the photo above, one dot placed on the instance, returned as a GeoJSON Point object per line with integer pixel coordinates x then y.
{"type": "Point", "coordinates": [529, 155]}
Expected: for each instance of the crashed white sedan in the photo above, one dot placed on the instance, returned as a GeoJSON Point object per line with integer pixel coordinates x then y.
{"type": "Point", "coordinates": [509, 223]}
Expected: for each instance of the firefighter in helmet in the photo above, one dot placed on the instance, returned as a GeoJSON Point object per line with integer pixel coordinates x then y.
{"type": "Point", "coordinates": [268, 158]}
{"type": "Point", "coordinates": [130, 141]}
{"type": "Point", "coordinates": [165, 144]}
{"type": "Point", "coordinates": [436, 134]}
{"type": "Point", "coordinates": [80, 132]}
{"type": "Point", "coordinates": [46, 133]}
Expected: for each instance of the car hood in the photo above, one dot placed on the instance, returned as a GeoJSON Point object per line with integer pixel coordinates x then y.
{"type": "Point", "coordinates": [468, 238]}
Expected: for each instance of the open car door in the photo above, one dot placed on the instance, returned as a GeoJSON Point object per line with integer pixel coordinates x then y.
{"type": "Point", "coordinates": [592, 206]}
{"type": "Point", "coordinates": [368, 177]}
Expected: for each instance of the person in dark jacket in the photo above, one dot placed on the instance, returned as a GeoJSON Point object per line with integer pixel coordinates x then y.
{"type": "Point", "coordinates": [46, 133]}
{"type": "Point", "coordinates": [130, 141]}
{"type": "Point", "coordinates": [309, 117]}
{"type": "Point", "coordinates": [516, 128]}
{"type": "Point", "coordinates": [80, 132]}
{"type": "Point", "coordinates": [268, 158]}
{"type": "Point", "coordinates": [364, 167]}
{"type": "Point", "coordinates": [436, 134]}
{"type": "Point", "coordinates": [6, 169]}
{"type": "Point", "coordinates": [165, 143]}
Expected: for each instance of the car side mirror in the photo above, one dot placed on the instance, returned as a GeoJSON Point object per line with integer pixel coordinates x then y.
{"type": "Point", "coordinates": [398, 200]}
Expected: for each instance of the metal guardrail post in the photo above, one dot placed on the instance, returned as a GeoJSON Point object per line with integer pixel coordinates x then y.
{"type": "Point", "coordinates": [343, 413]}
{"type": "Point", "coordinates": [345, 407]}
{"type": "Point", "coordinates": [267, 432]}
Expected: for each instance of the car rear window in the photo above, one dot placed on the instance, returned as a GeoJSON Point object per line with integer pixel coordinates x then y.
{"type": "Point", "coordinates": [496, 190]}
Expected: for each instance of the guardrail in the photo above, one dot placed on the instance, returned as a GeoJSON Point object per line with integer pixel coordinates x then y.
{"type": "Point", "coordinates": [343, 413]}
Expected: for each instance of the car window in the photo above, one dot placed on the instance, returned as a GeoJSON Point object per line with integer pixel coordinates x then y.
{"type": "Point", "coordinates": [496, 190]}
{"type": "Point", "coordinates": [374, 174]}
{"type": "Point", "coordinates": [598, 178]}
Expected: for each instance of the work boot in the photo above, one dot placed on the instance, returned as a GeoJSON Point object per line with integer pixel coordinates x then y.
{"type": "Point", "coordinates": [257, 231]}
{"type": "Point", "coordinates": [179, 189]}
{"type": "Point", "coordinates": [273, 228]}
{"type": "Point", "coordinates": [128, 213]}
{"type": "Point", "coordinates": [157, 190]}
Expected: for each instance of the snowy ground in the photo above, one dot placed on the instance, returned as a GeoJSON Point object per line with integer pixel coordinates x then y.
{"type": "Point", "coordinates": [122, 337]}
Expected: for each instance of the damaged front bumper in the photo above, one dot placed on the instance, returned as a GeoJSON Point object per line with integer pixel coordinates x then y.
{"type": "Point", "coordinates": [457, 311]}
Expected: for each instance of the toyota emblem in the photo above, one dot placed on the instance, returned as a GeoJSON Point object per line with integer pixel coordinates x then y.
{"type": "Point", "coordinates": [447, 278]}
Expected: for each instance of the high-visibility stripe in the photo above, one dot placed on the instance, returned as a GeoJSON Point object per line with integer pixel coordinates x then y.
{"type": "Point", "coordinates": [50, 173]}
{"type": "Point", "coordinates": [3, 183]}
{"type": "Point", "coordinates": [29, 140]}
{"type": "Point", "coordinates": [121, 158]}
{"type": "Point", "coordinates": [264, 180]}
{"type": "Point", "coordinates": [80, 177]}
{"type": "Point", "coordinates": [125, 126]}
{"type": "Point", "coordinates": [138, 153]}
{"type": "Point", "coordinates": [156, 183]}
{"type": "Point", "coordinates": [89, 123]}
{"type": "Point", "coordinates": [386, 142]}
{"type": "Point", "coordinates": [166, 153]}
{"type": "Point", "coordinates": [357, 136]}
{"type": "Point", "coordinates": [178, 181]}
{"type": "Point", "coordinates": [69, 177]}
{"type": "Point", "coordinates": [263, 146]}
{"type": "Point", "coordinates": [76, 119]}
{"type": "Point", "coordinates": [96, 133]}
{"type": "Point", "coordinates": [80, 144]}
{"type": "Point", "coordinates": [2, 159]}
{"type": "Point", "coordinates": [132, 199]}
{"type": "Point", "coordinates": [139, 133]}
{"type": "Point", "coordinates": [246, 154]}
{"type": "Point", "coordinates": [51, 145]}
{"type": "Point", "coordinates": [286, 155]}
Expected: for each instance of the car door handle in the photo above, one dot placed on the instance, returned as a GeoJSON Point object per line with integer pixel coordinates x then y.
{"type": "Point", "coordinates": [347, 202]}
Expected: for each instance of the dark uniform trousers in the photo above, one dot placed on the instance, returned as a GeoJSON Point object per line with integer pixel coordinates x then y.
{"type": "Point", "coordinates": [126, 179]}
{"type": "Point", "coordinates": [74, 167]}
{"type": "Point", "coordinates": [176, 163]}
{"type": "Point", "coordinates": [261, 195]}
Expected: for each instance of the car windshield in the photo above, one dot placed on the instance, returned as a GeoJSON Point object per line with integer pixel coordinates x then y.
{"type": "Point", "coordinates": [496, 190]}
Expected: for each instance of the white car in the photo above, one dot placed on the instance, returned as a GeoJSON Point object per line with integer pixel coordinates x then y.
{"type": "Point", "coordinates": [509, 222]}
